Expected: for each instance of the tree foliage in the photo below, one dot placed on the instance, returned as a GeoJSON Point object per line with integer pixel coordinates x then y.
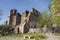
{"type": "Point", "coordinates": [44, 17]}
{"type": "Point", "coordinates": [6, 29]}
{"type": "Point", "coordinates": [55, 11]}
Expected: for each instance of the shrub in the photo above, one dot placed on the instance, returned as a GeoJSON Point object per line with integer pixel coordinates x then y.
{"type": "Point", "coordinates": [6, 29]}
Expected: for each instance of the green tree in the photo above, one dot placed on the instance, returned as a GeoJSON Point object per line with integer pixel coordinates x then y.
{"type": "Point", "coordinates": [55, 11]}
{"type": "Point", "coordinates": [44, 17]}
{"type": "Point", "coordinates": [6, 29]}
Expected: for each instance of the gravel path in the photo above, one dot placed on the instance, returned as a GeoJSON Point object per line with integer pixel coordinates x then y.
{"type": "Point", "coordinates": [13, 38]}
{"type": "Point", "coordinates": [51, 36]}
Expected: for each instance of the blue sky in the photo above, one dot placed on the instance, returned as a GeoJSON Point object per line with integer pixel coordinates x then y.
{"type": "Point", "coordinates": [21, 6]}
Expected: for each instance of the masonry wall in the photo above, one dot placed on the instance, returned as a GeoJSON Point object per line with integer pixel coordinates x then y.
{"type": "Point", "coordinates": [13, 17]}
{"type": "Point", "coordinates": [18, 19]}
{"type": "Point", "coordinates": [32, 19]}
{"type": "Point", "coordinates": [23, 22]}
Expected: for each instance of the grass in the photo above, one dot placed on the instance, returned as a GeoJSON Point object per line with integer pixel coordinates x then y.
{"type": "Point", "coordinates": [15, 35]}
{"type": "Point", "coordinates": [34, 35]}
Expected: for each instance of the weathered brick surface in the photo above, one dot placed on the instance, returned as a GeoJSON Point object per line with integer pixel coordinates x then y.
{"type": "Point", "coordinates": [27, 20]}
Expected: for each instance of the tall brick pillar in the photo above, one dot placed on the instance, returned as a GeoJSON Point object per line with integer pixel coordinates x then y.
{"type": "Point", "coordinates": [13, 15]}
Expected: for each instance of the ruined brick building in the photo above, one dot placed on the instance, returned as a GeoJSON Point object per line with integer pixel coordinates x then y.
{"type": "Point", "coordinates": [22, 22]}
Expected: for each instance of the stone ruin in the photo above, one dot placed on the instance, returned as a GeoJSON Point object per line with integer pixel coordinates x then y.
{"type": "Point", "coordinates": [23, 22]}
